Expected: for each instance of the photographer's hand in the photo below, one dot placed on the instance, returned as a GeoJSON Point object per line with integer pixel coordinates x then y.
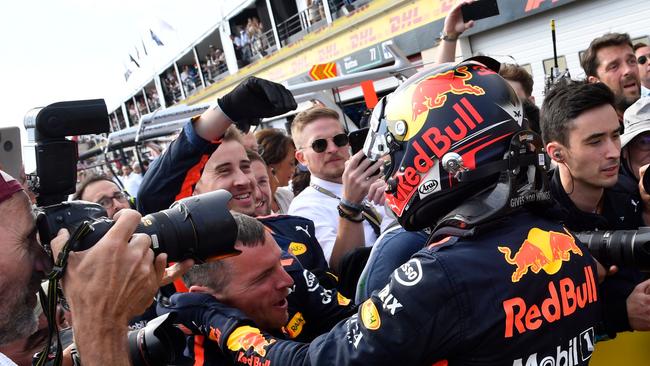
{"type": "Point", "coordinates": [454, 26]}
{"type": "Point", "coordinates": [107, 285]}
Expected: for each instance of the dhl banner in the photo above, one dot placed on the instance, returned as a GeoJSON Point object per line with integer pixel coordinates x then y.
{"type": "Point", "coordinates": [374, 23]}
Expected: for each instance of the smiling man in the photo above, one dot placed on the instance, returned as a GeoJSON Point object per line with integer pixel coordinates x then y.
{"type": "Point", "coordinates": [610, 59]}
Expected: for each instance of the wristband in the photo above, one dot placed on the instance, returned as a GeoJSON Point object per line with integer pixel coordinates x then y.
{"type": "Point", "coordinates": [445, 37]}
{"type": "Point", "coordinates": [350, 206]}
{"type": "Point", "coordinates": [347, 216]}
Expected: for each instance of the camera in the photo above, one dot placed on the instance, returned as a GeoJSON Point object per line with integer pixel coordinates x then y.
{"type": "Point", "coordinates": [199, 227]}
{"type": "Point", "coordinates": [630, 248]}
{"type": "Point", "coordinates": [159, 343]}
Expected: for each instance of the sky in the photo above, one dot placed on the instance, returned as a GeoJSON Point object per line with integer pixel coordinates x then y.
{"type": "Point", "coordinates": [59, 50]}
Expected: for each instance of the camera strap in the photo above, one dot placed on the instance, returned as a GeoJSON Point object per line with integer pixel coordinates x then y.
{"type": "Point", "coordinates": [50, 301]}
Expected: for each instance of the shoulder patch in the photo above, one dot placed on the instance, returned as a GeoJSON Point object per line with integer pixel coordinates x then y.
{"type": "Point", "coordinates": [409, 273]}
{"type": "Point", "coordinates": [370, 316]}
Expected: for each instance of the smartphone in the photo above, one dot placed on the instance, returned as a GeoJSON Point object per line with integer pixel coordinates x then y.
{"type": "Point", "coordinates": [11, 159]}
{"type": "Point", "coordinates": [479, 10]}
{"type": "Point", "coordinates": [357, 139]}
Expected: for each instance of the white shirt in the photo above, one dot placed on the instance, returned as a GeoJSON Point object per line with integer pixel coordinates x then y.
{"type": "Point", "coordinates": [132, 183]}
{"type": "Point", "coordinates": [645, 92]}
{"type": "Point", "coordinates": [5, 361]}
{"type": "Point", "coordinates": [321, 209]}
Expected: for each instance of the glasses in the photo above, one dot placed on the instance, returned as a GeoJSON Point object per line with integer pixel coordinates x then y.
{"type": "Point", "coordinates": [320, 145]}
{"type": "Point", "coordinates": [642, 60]}
{"type": "Point", "coordinates": [107, 202]}
{"type": "Point", "coordinates": [642, 142]}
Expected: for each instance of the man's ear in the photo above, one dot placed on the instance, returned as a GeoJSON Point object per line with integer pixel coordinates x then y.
{"type": "Point", "coordinates": [555, 151]}
{"type": "Point", "coordinates": [593, 79]}
{"type": "Point", "coordinates": [300, 156]}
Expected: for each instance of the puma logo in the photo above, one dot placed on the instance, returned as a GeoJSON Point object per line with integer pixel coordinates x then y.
{"type": "Point", "coordinates": [300, 228]}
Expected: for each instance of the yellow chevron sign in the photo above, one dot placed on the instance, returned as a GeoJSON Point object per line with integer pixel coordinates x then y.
{"type": "Point", "coordinates": [323, 71]}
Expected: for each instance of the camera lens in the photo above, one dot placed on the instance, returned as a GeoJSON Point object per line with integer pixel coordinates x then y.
{"type": "Point", "coordinates": [629, 248]}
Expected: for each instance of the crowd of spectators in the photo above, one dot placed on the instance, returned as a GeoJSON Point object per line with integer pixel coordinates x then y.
{"type": "Point", "coordinates": [406, 251]}
{"type": "Point", "coordinates": [249, 41]}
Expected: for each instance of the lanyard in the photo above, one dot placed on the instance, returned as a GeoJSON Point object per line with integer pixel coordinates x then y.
{"type": "Point", "coordinates": [368, 212]}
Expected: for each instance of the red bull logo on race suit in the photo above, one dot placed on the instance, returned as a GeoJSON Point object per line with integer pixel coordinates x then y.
{"type": "Point", "coordinates": [542, 250]}
{"type": "Point", "coordinates": [246, 337]}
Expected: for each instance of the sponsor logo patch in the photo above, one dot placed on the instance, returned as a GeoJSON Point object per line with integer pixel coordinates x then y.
{"type": "Point", "coordinates": [297, 248]}
{"type": "Point", "coordinates": [409, 273]}
{"type": "Point", "coordinates": [370, 316]}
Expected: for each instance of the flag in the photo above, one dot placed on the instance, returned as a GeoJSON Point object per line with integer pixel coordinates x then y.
{"type": "Point", "coordinates": [133, 60]}
{"type": "Point", "coordinates": [144, 48]}
{"type": "Point", "coordinates": [155, 38]}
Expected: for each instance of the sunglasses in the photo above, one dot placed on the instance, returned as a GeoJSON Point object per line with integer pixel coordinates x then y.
{"type": "Point", "coordinates": [642, 60]}
{"type": "Point", "coordinates": [320, 145]}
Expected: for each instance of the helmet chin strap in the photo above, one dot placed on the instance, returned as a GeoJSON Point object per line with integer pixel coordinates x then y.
{"type": "Point", "coordinates": [522, 180]}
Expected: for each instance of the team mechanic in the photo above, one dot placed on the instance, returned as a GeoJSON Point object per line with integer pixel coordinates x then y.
{"type": "Point", "coordinates": [498, 284]}
{"type": "Point", "coordinates": [174, 175]}
{"type": "Point", "coordinates": [177, 173]}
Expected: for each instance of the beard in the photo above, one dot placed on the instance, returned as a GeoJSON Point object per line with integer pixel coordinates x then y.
{"type": "Point", "coordinates": [17, 318]}
{"type": "Point", "coordinates": [623, 102]}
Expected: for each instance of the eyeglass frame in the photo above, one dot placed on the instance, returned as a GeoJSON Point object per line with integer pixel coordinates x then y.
{"type": "Point", "coordinates": [635, 142]}
{"type": "Point", "coordinates": [119, 196]}
{"type": "Point", "coordinates": [326, 143]}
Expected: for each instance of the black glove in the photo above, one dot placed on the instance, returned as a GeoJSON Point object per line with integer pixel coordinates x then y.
{"type": "Point", "coordinates": [202, 314]}
{"type": "Point", "coordinates": [256, 98]}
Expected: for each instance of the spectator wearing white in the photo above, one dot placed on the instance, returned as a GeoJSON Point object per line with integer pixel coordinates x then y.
{"type": "Point", "coordinates": [341, 189]}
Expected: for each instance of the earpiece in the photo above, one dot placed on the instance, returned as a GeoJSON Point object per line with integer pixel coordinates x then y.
{"type": "Point", "coordinates": [557, 155]}
{"type": "Point", "coordinates": [273, 171]}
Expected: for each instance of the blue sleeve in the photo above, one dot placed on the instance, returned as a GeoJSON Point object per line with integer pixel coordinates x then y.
{"type": "Point", "coordinates": [389, 252]}
{"type": "Point", "coordinates": [173, 175]}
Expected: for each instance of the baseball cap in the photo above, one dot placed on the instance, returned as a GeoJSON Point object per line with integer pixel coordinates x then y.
{"type": "Point", "coordinates": [636, 120]}
{"type": "Point", "coordinates": [8, 186]}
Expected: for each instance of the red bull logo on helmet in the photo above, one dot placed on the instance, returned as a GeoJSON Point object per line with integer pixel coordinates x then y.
{"type": "Point", "coordinates": [432, 92]}
{"type": "Point", "coordinates": [246, 337]}
{"type": "Point", "coordinates": [542, 250]}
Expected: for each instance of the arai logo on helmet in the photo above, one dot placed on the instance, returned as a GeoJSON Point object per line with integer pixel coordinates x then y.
{"type": "Point", "coordinates": [428, 186]}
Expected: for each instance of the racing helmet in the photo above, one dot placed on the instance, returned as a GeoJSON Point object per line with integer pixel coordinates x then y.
{"type": "Point", "coordinates": [455, 134]}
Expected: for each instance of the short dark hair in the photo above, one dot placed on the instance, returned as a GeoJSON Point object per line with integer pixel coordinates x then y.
{"type": "Point", "coordinates": [216, 275]}
{"type": "Point", "coordinates": [567, 101]}
{"type": "Point", "coordinates": [639, 45]}
{"type": "Point", "coordinates": [88, 181]}
{"type": "Point", "coordinates": [275, 144]}
{"type": "Point", "coordinates": [519, 74]}
{"type": "Point", "coordinates": [590, 60]}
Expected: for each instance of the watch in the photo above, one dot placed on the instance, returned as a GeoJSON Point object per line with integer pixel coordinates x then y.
{"type": "Point", "coordinates": [445, 37]}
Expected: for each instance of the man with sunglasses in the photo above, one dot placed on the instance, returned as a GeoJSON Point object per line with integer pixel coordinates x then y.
{"type": "Point", "coordinates": [341, 187]}
{"type": "Point", "coordinates": [642, 52]}
{"type": "Point", "coordinates": [610, 60]}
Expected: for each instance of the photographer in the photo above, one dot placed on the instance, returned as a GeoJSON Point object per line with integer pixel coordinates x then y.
{"type": "Point", "coordinates": [116, 278]}
{"type": "Point", "coordinates": [103, 191]}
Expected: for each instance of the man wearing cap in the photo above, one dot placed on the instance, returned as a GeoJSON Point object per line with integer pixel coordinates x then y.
{"type": "Point", "coordinates": [115, 278]}
{"type": "Point", "coordinates": [642, 53]}
{"type": "Point", "coordinates": [635, 141]}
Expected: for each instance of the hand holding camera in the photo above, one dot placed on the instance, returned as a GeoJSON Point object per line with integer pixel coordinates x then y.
{"type": "Point", "coordinates": [121, 263]}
